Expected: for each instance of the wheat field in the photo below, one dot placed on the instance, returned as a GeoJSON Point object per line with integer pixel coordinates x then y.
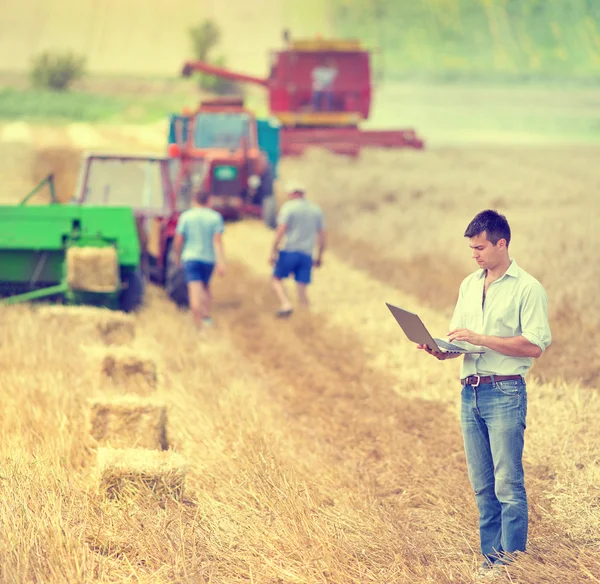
{"type": "Point", "coordinates": [324, 448]}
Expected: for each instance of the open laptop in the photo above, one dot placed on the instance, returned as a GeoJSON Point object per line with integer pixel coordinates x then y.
{"type": "Point", "coordinates": [415, 330]}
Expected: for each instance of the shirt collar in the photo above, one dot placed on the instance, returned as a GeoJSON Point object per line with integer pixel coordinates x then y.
{"type": "Point", "coordinates": [512, 271]}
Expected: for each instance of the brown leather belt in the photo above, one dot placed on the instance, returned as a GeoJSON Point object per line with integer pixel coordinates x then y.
{"type": "Point", "coordinates": [477, 380]}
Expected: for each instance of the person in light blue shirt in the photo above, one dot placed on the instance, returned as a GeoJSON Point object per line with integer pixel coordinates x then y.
{"type": "Point", "coordinates": [301, 228]}
{"type": "Point", "coordinates": [198, 245]}
{"type": "Point", "coordinates": [504, 310]}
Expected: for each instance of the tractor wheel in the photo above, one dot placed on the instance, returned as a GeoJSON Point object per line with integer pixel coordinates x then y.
{"type": "Point", "coordinates": [269, 211]}
{"type": "Point", "coordinates": [132, 295]}
{"type": "Point", "coordinates": [266, 197]}
{"type": "Point", "coordinates": [175, 284]}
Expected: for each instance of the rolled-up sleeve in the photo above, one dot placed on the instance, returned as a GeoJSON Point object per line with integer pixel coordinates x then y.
{"type": "Point", "coordinates": [284, 215]}
{"type": "Point", "coordinates": [180, 225]}
{"type": "Point", "coordinates": [534, 317]}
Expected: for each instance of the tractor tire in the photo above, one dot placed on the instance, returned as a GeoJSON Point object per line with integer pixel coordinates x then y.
{"type": "Point", "coordinates": [269, 211]}
{"type": "Point", "coordinates": [131, 296]}
{"type": "Point", "coordinates": [266, 197]}
{"type": "Point", "coordinates": [175, 284]}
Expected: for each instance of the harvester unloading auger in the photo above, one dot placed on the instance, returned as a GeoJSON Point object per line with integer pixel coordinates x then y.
{"type": "Point", "coordinates": [291, 98]}
{"type": "Point", "coordinates": [72, 254]}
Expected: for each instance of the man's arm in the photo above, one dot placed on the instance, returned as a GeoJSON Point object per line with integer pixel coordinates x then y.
{"type": "Point", "coordinates": [517, 346]}
{"type": "Point", "coordinates": [279, 233]}
{"type": "Point", "coordinates": [179, 239]}
{"type": "Point", "coordinates": [321, 245]}
{"type": "Point", "coordinates": [178, 248]}
{"type": "Point", "coordinates": [220, 253]}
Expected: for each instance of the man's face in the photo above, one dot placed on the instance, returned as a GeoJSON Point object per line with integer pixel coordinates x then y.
{"type": "Point", "coordinates": [485, 253]}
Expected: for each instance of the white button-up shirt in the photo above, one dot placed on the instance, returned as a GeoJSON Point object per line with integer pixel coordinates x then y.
{"type": "Point", "coordinates": [323, 77]}
{"type": "Point", "coordinates": [515, 305]}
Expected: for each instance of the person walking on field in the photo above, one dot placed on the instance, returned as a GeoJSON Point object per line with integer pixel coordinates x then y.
{"type": "Point", "coordinates": [199, 245]}
{"type": "Point", "coordinates": [504, 310]}
{"type": "Point", "coordinates": [301, 227]}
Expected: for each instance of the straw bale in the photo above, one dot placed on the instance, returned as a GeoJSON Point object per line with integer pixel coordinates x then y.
{"type": "Point", "coordinates": [129, 422]}
{"type": "Point", "coordinates": [129, 470]}
{"type": "Point", "coordinates": [113, 327]}
{"type": "Point", "coordinates": [128, 369]}
{"type": "Point", "coordinates": [116, 331]}
{"type": "Point", "coordinates": [93, 269]}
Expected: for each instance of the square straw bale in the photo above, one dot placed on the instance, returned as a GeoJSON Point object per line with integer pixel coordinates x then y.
{"type": "Point", "coordinates": [129, 370]}
{"type": "Point", "coordinates": [129, 422]}
{"type": "Point", "coordinates": [113, 327]}
{"type": "Point", "coordinates": [126, 471]}
{"type": "Point", "coordinates": [93, 269]}
{"type": "Point", "coordinates": [119, 329]}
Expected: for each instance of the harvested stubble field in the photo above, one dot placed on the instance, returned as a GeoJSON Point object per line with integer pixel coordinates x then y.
{"type": "Point", "coordinates": [323, 448]}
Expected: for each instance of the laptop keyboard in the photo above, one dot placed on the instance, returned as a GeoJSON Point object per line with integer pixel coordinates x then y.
{"type": "Point", "coordinates": [448, 346]}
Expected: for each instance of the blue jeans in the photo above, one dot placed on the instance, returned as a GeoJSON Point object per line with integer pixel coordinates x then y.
{"type": "Point", "coordinates": [322, 95]}
{"type": "Point", "coordinates": [493, 426]}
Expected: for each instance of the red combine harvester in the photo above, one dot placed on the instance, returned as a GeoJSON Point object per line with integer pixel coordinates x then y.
{"type": "Point", "coordinates": [306, 121]}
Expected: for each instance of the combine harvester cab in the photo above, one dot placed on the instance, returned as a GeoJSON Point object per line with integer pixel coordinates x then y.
{"type": "Point", "coordinates": [224, 150]}
{"type": "Point", "coordinates": [291, 98]}
{"type": "Point", "coordinates": [70, 254]}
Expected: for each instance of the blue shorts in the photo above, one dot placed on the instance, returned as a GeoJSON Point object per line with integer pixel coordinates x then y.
{"type": "Point", "coordinates": [293, 262]}
{"type": "Point", "coordinates": [198, 271]}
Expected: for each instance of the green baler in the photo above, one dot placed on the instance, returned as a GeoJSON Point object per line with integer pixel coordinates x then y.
{"type": "Point", "coordinates": [35, 242]}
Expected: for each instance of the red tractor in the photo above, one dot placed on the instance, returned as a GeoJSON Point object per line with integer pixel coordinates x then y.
{"type": "Point", "coordinates": [224, 150]}
{"type": "Point", "coordinates": [341, 70]}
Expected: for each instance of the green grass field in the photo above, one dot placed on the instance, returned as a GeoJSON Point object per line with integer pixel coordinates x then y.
{"type": "Point", "coordinates": [85, 106]}
{"type": "Point", "coordinates": [483, 39]}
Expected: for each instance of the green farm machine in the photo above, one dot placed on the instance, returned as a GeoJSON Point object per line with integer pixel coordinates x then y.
{"type": "Point", "coordinates": [70, 253]}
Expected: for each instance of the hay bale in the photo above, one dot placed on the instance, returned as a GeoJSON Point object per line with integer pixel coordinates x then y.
{"type": "Point", "coordinates": [129, 370]}
{"type": "Point", "coordinates": [116, 331]}
{"type": "Point", "coordinates": [129, 422]}
{"type": "Point", "coordinates": [113, 327]}
{"type": "Point", "coordinates": [93, 269]}
{"type": "Point", "coordinates": [131, 470]}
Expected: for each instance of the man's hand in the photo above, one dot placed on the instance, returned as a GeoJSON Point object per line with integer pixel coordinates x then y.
{"type": "Point", "coordinates": [273, 258]}
{"type": "Point", "coordinates": [465, 335]}
{"type": "Point", "coordinates": [318, 262]}
{"type": "Point", "coordinates": [220, 269]}
{"type": "Point", "coordinates": [437, 354]}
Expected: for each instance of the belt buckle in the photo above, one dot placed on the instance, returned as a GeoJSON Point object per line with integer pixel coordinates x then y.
{"type": "Point", "coordinates": [478, 381]}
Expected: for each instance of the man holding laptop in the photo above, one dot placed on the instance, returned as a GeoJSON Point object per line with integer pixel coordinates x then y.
{"type": "Point", "coordinates": [503, 312]}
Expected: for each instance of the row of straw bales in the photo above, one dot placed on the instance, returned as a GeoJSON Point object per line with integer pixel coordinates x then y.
{"type": "Point", "coordinates": [128, 423]}
{"type": "Point", "coordinates": [131, 429]}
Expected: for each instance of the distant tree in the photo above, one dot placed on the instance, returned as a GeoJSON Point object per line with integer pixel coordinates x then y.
{"type": "Point", "coordinates": [205, 37]}
{"type": "Point", "coordinates": [57, 71]}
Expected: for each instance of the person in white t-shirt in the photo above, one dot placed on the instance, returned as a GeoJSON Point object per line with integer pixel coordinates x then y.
{"type": "Point", "coordinates": [198, 245]}
{"type": "Point", "coordinates": [323, 78]}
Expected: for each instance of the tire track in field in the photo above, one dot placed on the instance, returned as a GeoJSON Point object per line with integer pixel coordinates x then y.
{"type": "Point", "coordinates": [348, 341]}
{"type": "Point", "coordinates": [404, 454]}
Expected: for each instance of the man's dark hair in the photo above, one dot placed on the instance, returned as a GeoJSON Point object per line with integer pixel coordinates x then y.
{"type": "Point", "coordinates": [202, 197]}
{"type": "Point", "coordinates": [496, 226]}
